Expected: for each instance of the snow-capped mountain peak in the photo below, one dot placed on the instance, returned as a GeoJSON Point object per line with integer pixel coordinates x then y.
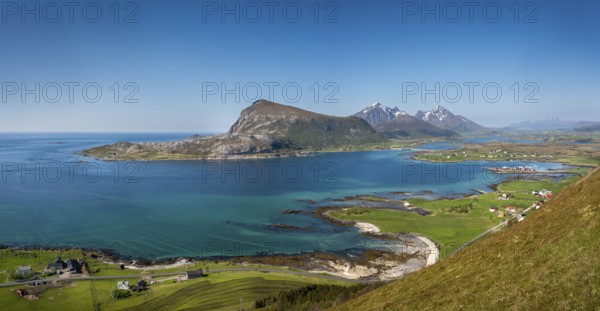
{"type": "Point", "coordinates": [377, 113]}
{"type": "Point", "coordinates": [439, 112]}
{"type": "Point", "coordinates": [443, 118]}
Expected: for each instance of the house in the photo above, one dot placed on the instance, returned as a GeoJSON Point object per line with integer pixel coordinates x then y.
{"type": "Point", "coordinates": [511, 209]}
{"type": "Point", "coordinates": [493, 209]}
{"type": "Point", "coordinates": [500, 214]}
{"type": "Point", "coordinates": [189, 275]}
{"type": "Point", "coordinates": [73, 266]}
{"type": "Point", "coordinates": [543, 193]}
{"type": "Point", "coordinates": [58, 264]}
{"type": "Point", "coordinates": [142, 285]}
{"type": "Point", "coordinates": [504, 197]}
{"type": "Point", "coordinates": [24, 270]}
{"type": "Point", "coordinates": [195, 274]}
{"type": "Point", "coordinates": [124, 285]}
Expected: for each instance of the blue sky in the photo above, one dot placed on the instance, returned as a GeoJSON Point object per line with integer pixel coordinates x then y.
{"type": "Point", "coordinates": [358, 52]}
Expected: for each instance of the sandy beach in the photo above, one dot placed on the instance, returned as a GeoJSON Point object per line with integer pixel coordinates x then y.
{"type": "Point", "coordinates": [432, 253]}
{"type": "Point", "coordinates": [366, 227]}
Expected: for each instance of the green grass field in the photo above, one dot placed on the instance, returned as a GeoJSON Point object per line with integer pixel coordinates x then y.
{"type": "Point", "coordinates": [221, 291]}
{"type": "Point", "coordinates": [446, 225]}
{"type": "Point", "coordinates": [528, 186]}
{"type": "Point", "coordinates": [75, 296]}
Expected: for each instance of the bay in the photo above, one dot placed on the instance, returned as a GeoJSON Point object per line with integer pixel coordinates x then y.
{"type": "Point", "coordinates": [52, 196]}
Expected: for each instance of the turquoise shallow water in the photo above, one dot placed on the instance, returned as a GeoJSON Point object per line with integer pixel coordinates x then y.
{"type": "Point", "coordinates": [198, 208]}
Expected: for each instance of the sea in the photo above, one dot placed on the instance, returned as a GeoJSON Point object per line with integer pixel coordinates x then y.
{"type": "Point", "coordinates": [52, 196]}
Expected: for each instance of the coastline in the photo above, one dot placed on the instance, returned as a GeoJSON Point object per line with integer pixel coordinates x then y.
{"type": "Point", "coordinates": [433, 253]}
{"type": "Point", "coordinates": [368, 265]}
{"type": "Point", "coordinates": [254, 156]}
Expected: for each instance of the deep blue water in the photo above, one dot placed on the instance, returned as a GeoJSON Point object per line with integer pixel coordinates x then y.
{"type": "Point", "coordinates": [50, 195]}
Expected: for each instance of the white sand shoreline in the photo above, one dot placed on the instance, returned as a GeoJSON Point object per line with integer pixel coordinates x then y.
{"type": "Point", "coordinates": [433, 253]}
{"type": "Point", "coordinates": [366, 227]}
{"type": "Point", "coordinates": [341, 268]}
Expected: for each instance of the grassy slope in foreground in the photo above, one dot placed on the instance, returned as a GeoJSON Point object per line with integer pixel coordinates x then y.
{"type": "Point", "coordinates": [547, 262]}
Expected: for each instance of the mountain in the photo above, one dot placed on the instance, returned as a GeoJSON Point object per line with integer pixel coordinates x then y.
{"type": "Point", "coordinates": [378, 113]}
{"type": "Point", "coordinates": [443, 118]}
{"type": "Point", "coordinates": [394, 123]}
{"type": "Point", "coordinates": [547, 262]}
{"type": "Point", "coordinates": [588, 128]}
{"type": "Point", "coordinates": [548, 125]}
{"type": "Point", "coordinates": [298, 129]}
{"type": "Point", "coordinates": [265, 128]}
{"type": "Point", "coordinates": [406, 126]}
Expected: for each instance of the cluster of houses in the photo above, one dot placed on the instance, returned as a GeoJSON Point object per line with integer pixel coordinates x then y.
{"type": "Point", "coordinates": [520, 169]}
{"type": "Point", "coordinates": [72, 266]}
{"type": "Point", "coordinates": [542, 194]}
{"type": "Point", "coordinates": [141, 286]}
{"type": "Point", "coordinates": [499, 153]}
{"type": "Point", "coordinates": [511, 209]}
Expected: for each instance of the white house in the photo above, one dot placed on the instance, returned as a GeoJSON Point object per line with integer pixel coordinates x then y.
{"type": "Point", "coordinates": [123, 285]}
{"type": "Point", "coordinates": [24, 270]}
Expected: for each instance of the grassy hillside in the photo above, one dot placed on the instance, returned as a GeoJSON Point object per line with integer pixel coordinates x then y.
{"type": "Point", "coordinates": [547, 262]}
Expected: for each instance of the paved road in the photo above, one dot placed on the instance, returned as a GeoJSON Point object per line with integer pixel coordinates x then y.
{"type": "Point", "coordinates": [138, 276]}
{"type": "Point", "coordinates": [89, 278]}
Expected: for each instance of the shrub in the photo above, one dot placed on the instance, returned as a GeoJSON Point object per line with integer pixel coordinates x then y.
{"type": "Point", "coordinates": [121, 294]}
